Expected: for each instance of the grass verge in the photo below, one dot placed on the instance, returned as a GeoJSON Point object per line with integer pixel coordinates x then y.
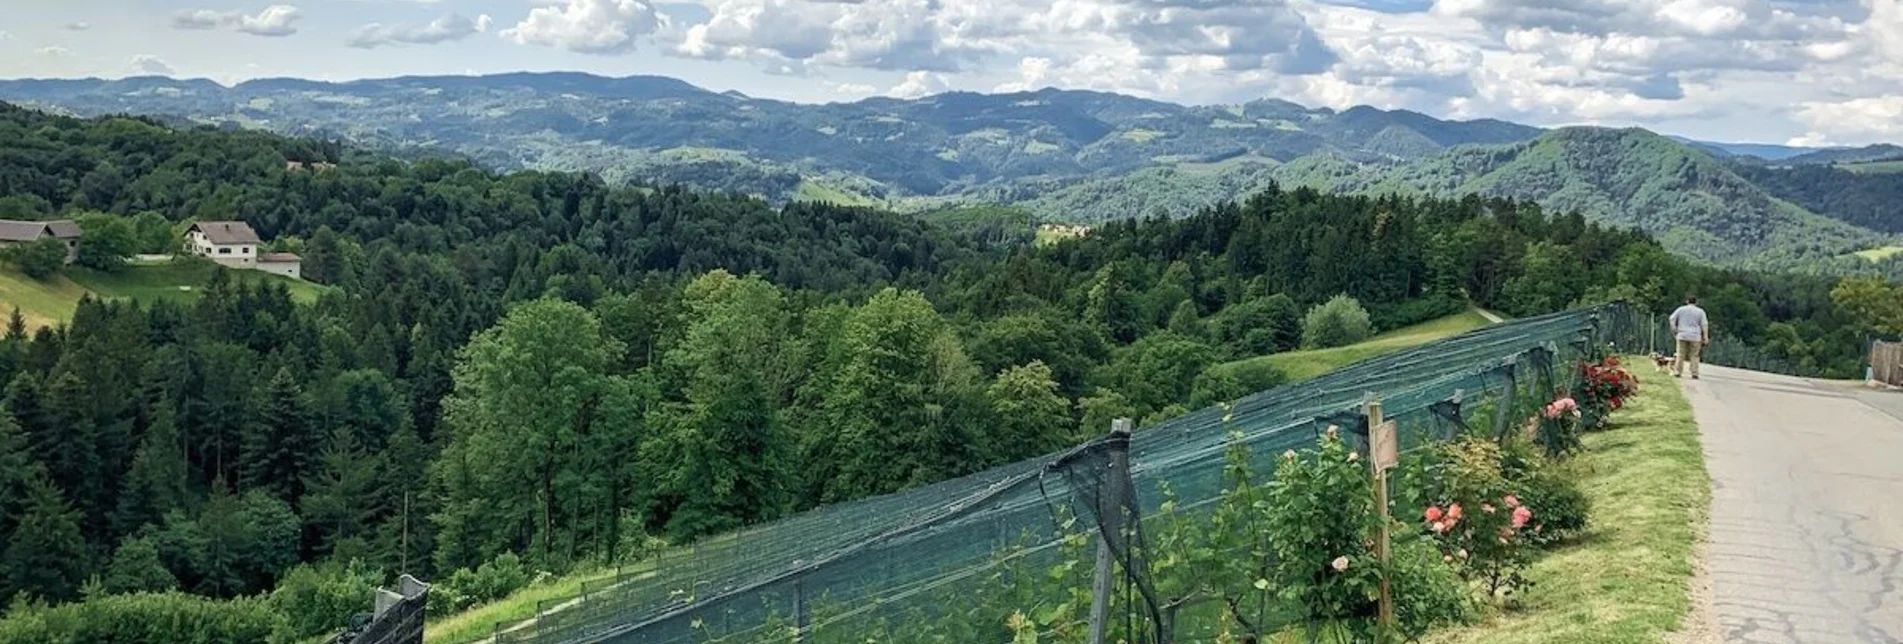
{"type": "Point", "coordinates": [1302, 365]}
{"type": "Point", "coordinates": [1628, 579]}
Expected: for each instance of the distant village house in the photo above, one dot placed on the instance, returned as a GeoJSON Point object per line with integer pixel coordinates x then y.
{"type": "Point", "coordinates": [235, 244]}
{"type": "Point", "coordinates": [319, 166]}
{"type": "Point", "coordinates": [14, 232]}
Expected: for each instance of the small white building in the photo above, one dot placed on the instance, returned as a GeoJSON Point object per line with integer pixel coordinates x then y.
{"type": "Point", "coordinates": [235, 244]}
{"type": "Point", "coordinates": [286, 264]}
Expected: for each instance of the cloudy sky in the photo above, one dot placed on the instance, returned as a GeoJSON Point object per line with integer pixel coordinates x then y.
{"type": "Point", "coordinates": [1779, 71]}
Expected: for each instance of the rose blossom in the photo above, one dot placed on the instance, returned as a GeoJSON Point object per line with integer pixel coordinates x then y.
{"type": "Point", "coordinates": [1340, 564]}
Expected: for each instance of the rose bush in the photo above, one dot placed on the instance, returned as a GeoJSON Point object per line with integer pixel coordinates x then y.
{"type": "Point", "coordinates": [1604, 387]}
{"type": "Point", "coordinates": [1478, 519]}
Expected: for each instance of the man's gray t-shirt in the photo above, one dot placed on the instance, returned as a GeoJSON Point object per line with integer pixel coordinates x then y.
{"type": "Point", "coordinates": [1690, 322]}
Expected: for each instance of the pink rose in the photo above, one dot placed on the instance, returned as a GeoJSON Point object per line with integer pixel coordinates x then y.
{"type": "Point", "coordinates": [1487, 508]}
{"type": "Point", "coordinates": [1340, 564]}
{"type": "Point", "coordinates": [1453, 512]}
{"type": "Point", "coordinates": [1512, 501]}
{"type": "Point", "coordinates": [1438, 527]}
{"type": "Point", "coordinates": [1520, 516]}
{"type": "Point", "coordinates": [1433, 513]}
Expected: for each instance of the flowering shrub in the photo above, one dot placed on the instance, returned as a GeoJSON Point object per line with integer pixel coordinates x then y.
{"type": "Point", "coordinates": [1603, 388]}
{"type": "Point", "coordinates": [1558, 427]}
{"type": "Point", "coordinates": [1320, 514]}
{"type": "Point", "coordinates": [1479, 522]}
{"type": "Point", "coordinates": [1559, 507]}
{"type": "Point", "coordinates": [1319, 520]}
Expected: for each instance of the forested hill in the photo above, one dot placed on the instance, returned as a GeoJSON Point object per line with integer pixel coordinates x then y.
{"type": "Point", "coordinates": [540, 367]}
{"type": "Point", "coordinates": [1069, 156]}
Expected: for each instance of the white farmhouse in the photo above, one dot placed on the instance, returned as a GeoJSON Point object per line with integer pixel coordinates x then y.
{"type": "Point", "coordinates": [235, 244]}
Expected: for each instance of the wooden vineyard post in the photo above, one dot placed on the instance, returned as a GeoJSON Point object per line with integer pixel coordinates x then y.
{"type": "Point", "coordinates": [1383, 453]}
{"type": "Point", "coordinates": [1109, 512]}
{"type": "Point", "coordinates": [799, 613]}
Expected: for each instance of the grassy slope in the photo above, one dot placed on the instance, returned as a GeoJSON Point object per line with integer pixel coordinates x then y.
{"type": "Point", "coordinates": [1873, 167]}
{"type": "Point", "coordinates": [479, 623]}
{"type": "Point", "coordinates": [1302, 365]}
{"type": "Point", "coordinates": [1628, 579]}
{"type": "Point", "coordinates": [53, 300]}
{"type": "Point", "coordinates": [1880, 254]}
{"type": "Point", "coordinates": [819, 191]}
{"type": "Point", "coordinates": [148, 282]}
{"type": "Point", "coordinates": [42, 302]}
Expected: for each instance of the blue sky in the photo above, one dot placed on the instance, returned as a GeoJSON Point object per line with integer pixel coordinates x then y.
{"type": "Point", "coordinates": [1780, 71]}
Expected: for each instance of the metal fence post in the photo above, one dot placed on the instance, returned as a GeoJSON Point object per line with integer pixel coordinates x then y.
{"type": "Point", "coordinates": [1109, 500]}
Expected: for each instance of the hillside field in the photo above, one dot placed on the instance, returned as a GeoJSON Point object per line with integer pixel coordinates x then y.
{"type": "Point", "coordinates": [1302, 365]}
{"type": "Point", "coordinates": [50, 301]}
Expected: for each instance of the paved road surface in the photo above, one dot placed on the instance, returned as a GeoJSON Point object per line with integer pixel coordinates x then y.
{"type": "Point", "coordinates": [1807, 508]}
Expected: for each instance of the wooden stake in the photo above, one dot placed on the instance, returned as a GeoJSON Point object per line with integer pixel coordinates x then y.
{"type": "Point", "coordinates": [1375, 425]}
{"type": "Point", "coordinates": [1109, 511]}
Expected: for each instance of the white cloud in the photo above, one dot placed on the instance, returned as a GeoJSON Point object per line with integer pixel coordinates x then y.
{"type": "Point", "coordinates": [151, 65]}
{"type": "Point", "coordinates": [918, 85]}
{"type": "Point", "coordinates": [275, 20]}
{"type": "Point", "coordinates": [78, 26]}
{"type": "Point", "coordinates": [588, 26]}
{"type": "Point", "coordinates": [53, 51]}
{"type": "Point", "coordinates": [855, 89]}
{"type": "Point", "coordinates": [1853, 122]}
{"type": "Point", "coordinates": [953, 37]}
{"type": "Point", "coordinates": [444, 29]}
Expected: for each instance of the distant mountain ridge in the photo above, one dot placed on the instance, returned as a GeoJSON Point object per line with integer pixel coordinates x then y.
{"type": "Point", "coordinates": [1066, 155]}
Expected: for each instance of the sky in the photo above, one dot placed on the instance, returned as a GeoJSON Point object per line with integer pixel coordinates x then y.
{"type": "Point", "coordinates": [1798, 72]}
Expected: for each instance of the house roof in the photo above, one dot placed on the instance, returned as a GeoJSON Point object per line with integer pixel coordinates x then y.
{"type": "Point", "coordinates": [63, 228]}
{"type": "Point", "coordinates": [279, 258]}
{"type": "Point", "coordinates": [24, 231]}
{"type": "Point", "coordinates": [227, 232]}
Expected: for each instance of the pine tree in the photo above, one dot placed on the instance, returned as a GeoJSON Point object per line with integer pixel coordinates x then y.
{"type": "Point", "coordinates": [159, 479]}
{"type": "Point", "coordinates": [46, 554]}
{"type": "Point", "coordinates": [71, 450]}
{"type": "Point", "coordinates": [16, 326]}
{"type": "Point", "coordinates": [340, 499]}
{"type": "Point", "coordinates": [220, 543]}
{"type": "Point", "coordinates": [281, 445]}
{"type": "Point", "coordinates": [18, 470]}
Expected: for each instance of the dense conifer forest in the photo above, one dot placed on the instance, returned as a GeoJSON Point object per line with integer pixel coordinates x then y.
{"type": "Point", "coordinates": [543, 368]}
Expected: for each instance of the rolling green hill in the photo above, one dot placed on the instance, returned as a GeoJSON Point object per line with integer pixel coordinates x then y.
{"type": "Point", "coordinates": [1066, 156]}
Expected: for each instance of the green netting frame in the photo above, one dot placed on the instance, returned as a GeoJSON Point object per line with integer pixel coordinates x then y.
{"type": "Point", "coordinates": [950, 562]}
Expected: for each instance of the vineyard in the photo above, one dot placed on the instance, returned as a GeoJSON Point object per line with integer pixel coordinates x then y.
{"type": "Point", "coordinates": [1239, 522]}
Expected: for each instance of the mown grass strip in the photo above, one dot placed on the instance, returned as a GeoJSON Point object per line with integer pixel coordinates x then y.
{"type": "Point", "coordinates": [1627, 579]}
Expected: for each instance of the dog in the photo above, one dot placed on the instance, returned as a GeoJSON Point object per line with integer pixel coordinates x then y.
{"type": "Point", "coordinates": [1664, 363]}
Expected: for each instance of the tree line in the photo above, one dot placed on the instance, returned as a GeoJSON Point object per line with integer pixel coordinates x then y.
{"type": "Point", "coordinates": [546, 366]}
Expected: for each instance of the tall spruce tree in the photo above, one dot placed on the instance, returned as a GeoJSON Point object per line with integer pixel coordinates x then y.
{"type": "Point", "coordinates": [281, 445]}
{"type": "Point", "coordinates": [159, 480]}
{"type": "Point", "coordinates": [46, 554]}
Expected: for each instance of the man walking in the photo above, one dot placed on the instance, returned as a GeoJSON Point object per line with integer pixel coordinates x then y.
{"type": "Point", "coordinates": [1693, 332]}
